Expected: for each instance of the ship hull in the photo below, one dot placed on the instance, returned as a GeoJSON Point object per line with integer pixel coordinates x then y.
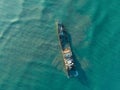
{"type": "Point", "coordinates": [66, 51]}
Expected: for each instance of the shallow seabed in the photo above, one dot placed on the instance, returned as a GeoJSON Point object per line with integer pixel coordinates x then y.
{"type": "Point", "coordinates": [30, 57]}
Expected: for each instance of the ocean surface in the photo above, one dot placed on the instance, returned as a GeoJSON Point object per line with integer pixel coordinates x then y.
{"type": "Point", "coordinates": [30, 56]}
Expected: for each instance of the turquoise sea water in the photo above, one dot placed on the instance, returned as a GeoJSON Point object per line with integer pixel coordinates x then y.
{"type": "Point", "coordinates": [30, 57]}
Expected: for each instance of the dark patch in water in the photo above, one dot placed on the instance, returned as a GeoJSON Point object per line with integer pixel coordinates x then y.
{"type": "Point", "coordinates": [82, 75]}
